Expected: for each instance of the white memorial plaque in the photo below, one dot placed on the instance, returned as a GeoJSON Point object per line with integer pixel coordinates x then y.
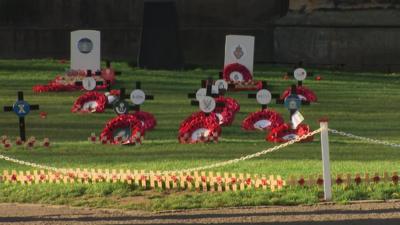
{"type": "Point", "coordinates": [85, 50]}
{"type": "Point", "coordinates": [221, 84]}
{"type": "Point", "coordinates": [138, 97]}
{"type": "Point", "coordinates": [263, 97]}
{"type": "Point", "coordinates": [300, 74]}
{"type": "Point", "coordinates": [207, 104]}
{"type": "Point", "coordinates": [239, 49]}
{"type": "Point", "coordinates": [89, 83]}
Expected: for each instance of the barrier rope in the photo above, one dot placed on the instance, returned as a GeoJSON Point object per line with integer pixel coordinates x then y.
{"type": "Point", "coordinates": [369, 140]}
{"type": "Point", "coordinates": [219, 164]}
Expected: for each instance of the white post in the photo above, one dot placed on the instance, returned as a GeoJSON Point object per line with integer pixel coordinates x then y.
{"type": "Point", "coordinates": [325, 160]}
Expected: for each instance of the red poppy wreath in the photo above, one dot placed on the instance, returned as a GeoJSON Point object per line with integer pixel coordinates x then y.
{"type": "Point", "coordinates": [226, 113]}
{"type": "Point", "coordinates": [303, 92]}
{"type": "Point", "coordinates": [148, 120]}
{"type": "Point", "coordinates": [262, 120]}
{"type": "Point", "coordinates": [123, 129]}
{"type": "Point", "coordinates": [236, 72]}
{"type": "Point", "coordinates": [285, 133]}
{"type": "Point", "coordinates": [199, 128]}
{"type": "Point", "coordinates": [90, 102]}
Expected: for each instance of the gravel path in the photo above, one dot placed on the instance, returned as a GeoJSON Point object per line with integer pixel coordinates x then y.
{"type": "Point", "coordinates": [355, 214]}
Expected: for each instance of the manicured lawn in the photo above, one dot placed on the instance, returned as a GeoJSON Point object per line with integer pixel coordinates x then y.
{"type": "Point", "coordinates": [365, 104]}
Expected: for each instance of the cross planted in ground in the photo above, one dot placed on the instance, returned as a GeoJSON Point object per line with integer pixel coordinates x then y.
{"type": "Point", "coordinates": [21, 108]}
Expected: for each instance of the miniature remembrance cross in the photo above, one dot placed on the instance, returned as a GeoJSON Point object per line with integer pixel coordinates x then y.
{"type": "Point", "coordinates": [207, 103]}
{"type": "Point", "coordinates": [263, 96]}
{"type": "Point", "coordinates": [137, 97]}
{"type": "Point", "coordinates": [89, 83]}
{"type": "Point", "coordinates": [21, 108]}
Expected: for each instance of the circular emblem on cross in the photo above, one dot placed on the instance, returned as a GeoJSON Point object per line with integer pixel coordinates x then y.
{"type": "Point", "coordinates": [292, 102]}
{"type": "Point", "coordinates": [300, 74]}
{"type": "Point", "coordinates": [221, 84]}
{"type": "Point", "coordinates": [89, 83]}
{"type": "Point", "coordinates": [137, 97]}
{"type": "Point", "coordinates": [121, 107]}
{"type": "Point", "coordinates": [263, 97]}
{"type": "Point", "coordinates": [21, 108]}
{"type": "Point", "coordinates": [207, 104]}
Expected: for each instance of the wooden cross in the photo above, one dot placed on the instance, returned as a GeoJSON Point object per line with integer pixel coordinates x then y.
{"type": "Point", "coordinates": [209, 106]}
{"type": "Point", "coordinates": [137, 97]}
{"type": "Point", "coordinates": [21, 108]}
{"type": "Point", "coordinates": [90, 84]}
{"type": "Point", "coordinates": [299, 65]}
{"type": "Point", "coordinates": [204, 84]}
{"type": "Point", "coordinates": [261, 96]}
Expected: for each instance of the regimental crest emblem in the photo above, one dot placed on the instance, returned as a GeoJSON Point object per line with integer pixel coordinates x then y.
{"type": "Point", "coordinates": [238, 53]}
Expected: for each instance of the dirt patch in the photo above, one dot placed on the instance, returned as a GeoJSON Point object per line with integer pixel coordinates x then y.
{"type": "Point", "coordinates": [387, 213]}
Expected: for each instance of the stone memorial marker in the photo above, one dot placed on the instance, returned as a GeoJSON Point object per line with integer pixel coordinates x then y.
{"type": "Point", "coordinates": [21, 108]}
{"type": "Point", "coordinates": [85, 50]}
{"type": "Point", "coordinates": [239, 49]}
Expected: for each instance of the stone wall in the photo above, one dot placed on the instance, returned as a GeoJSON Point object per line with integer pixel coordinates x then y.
{"type": "Point", "coordinates": [356, 35]}
{"type": "Point", "coordinates": [40, 28]}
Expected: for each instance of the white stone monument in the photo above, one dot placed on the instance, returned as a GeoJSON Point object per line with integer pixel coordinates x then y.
{"type": "Point", "coordinates": [85, 50]}
{"type": "Point", "coordinates": [240, 49]}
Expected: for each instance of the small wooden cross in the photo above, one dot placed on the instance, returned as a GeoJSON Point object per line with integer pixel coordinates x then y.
{"type": "Point", "coordinates": [21, 108]}
{"type": "Point", "coordinates": [207, 103]}
{"type": "Point", "coordinates": [137, 97]}
{"type": "Point", "coordinates": [89, 83]}
{"type": "Point", "coordinates": [263, 95]}
{"type": "Point", "coordinates": [204, 84]}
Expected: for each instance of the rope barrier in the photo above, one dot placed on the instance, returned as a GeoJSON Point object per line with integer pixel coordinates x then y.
{"type": "Point", "coordinates": [369, 140]}
{"type": "Point", "coordinates": [219, 164]}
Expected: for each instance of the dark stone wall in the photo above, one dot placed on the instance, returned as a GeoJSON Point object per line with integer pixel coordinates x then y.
{"type": "Point", "coordinates": [40, 28]}
{"type": "Point", "coordinates": [350, 35]}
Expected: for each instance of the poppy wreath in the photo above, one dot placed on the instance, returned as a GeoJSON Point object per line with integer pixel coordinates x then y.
{"type": "Point", "coordinates": [194, 123]}
{"type": "Point", "coordinates": [285, 133]}
{"type": "Point", "coordinates": [66, 83]}
{"type": "Point", "coordinates": [236, 67]}
{"type": "Point", "coordinates": [148, 120]}
{"type": "Point", "coordinates": [303, 92]}
{"type": "Point", "coordinates": [226, 114]}
{"type": "Point", "coordinates": [120, 122]}
{"type": "Point", "coordinates": [90, 96]}
{"type": "Point", "coordinates": [273, 117]}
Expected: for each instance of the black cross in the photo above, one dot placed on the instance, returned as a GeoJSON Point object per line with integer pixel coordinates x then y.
{"type": "Point", "coordinates": [89, 74]}
{"type": "Point", "coordinates": [208, 93]}
{"type": "Point", "coordinates": [299, 65]}
{"type": "Point", "coordinates": [123, 96]}
{"type": "Point", "coordinates": [264, 86]}
{"type": "Point", "coordinates": [204, 84]}
{"type": "Point", "coordinates": [21, 108]}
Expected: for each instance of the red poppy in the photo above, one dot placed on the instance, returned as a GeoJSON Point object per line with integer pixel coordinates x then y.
{"type": "Point", "coordinates": [43, 115]}
{"type": "Point", "coordinates": [199, 127]}
{"type": "Point", "coordinates": [303, 92]}
{"type": "Point", "coordinates": [226, 113]}
{"type": "Point", "coordinates": [262, 120]}
{"type": "Point", "coordinates": [285, 133]}
{"type": "Point", "coordinates": [241, 71]}
{"type": "Point", "coordinates": [148, 120]}
{"type": "Point", "coordinates": [90, 102]}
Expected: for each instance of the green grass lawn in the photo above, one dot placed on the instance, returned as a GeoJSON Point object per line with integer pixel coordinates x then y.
{"type": "Point", "coordinates": [365, 104]}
